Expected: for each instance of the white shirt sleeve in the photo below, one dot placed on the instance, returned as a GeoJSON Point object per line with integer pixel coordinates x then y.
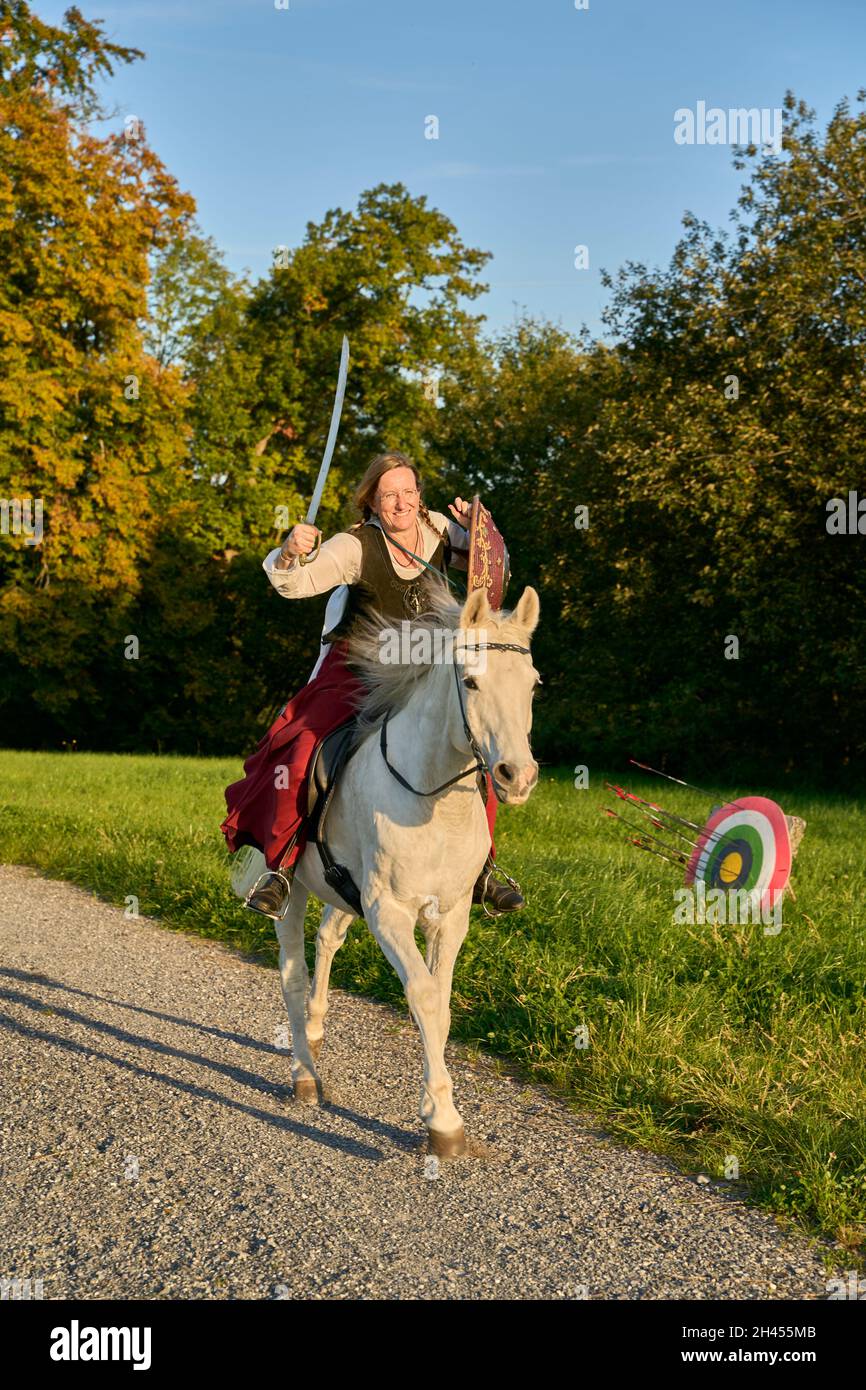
{"type": "Point", "coordinates": [338, 562]}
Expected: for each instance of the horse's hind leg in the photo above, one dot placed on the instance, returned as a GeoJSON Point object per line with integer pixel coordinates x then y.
{"type": "Point", "coordinates": [331, 935]}
{"type": "Point", "coordinates": [294, 979]}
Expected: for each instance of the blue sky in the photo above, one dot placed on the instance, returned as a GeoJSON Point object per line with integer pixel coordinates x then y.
{"type": "Point", "coordinates": [555, 125]}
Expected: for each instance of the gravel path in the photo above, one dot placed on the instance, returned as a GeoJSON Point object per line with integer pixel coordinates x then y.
{"type": "Point", "coordinates": [151, 1148]}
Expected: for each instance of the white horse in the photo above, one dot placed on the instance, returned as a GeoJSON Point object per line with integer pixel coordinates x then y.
{"type": "Point", "coordinates": [416, 857]}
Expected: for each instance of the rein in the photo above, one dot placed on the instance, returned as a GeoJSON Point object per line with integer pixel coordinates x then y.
{"type": "Point", "coordinates": [480, 765]}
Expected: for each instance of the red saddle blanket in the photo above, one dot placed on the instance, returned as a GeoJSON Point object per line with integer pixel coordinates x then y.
{"type": "Point", "coordinates": [268, 806]}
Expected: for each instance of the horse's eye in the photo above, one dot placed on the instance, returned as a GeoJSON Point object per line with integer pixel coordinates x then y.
{"type": "Point", "coordinates": [470, 682]}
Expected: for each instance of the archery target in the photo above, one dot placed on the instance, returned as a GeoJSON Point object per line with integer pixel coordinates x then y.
{"type": "Point", "coordinates": [744, 844]}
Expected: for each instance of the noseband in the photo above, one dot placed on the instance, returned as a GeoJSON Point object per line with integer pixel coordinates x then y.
{"type": "Point", "coordinates": [480, 765]}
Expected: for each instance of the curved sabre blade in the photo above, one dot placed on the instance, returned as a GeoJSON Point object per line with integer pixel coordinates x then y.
{"type": "Point", "coordinates": [332, 433]}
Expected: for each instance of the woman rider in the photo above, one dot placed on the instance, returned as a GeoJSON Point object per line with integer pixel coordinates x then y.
{"type": "Point", "coordinates": [370, 570]}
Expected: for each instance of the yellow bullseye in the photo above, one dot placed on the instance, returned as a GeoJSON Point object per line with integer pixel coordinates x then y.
{"type": "Point", "coordinates": [731, 867]}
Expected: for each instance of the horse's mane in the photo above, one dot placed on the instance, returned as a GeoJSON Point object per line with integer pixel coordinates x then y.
{"type": "Point", "coordinates": [389, 685]}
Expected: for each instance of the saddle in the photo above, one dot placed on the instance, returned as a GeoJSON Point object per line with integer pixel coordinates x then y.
{"type": "Point", "coordinates": [330, 757]}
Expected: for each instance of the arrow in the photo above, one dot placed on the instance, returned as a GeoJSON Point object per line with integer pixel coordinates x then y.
{"type": "Point", "coordinates": [679, 857]}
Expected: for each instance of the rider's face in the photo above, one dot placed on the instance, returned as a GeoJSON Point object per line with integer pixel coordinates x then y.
{"type": "Point", "coordinates": [396, 507]}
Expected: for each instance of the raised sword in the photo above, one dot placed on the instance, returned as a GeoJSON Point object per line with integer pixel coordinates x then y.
{"type": "Point", "coordinates": [329, 449]}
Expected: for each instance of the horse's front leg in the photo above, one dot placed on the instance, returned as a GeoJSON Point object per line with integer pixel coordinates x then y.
{"type": "Point", "coordinates": [393, 926]}
{"type": "Point", "coordinates": [445, 935]}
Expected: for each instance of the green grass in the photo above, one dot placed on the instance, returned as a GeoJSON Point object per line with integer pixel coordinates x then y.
{"type": "Point", "coordinates": [706, 1041]}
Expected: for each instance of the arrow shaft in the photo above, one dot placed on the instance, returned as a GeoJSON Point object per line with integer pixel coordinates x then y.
{"type": "Point", "coordinates": [638, 800]}
{"type": "Point", "coordinates": [649, 849]}
{"type": "Point", "coordinates": [653, 816]}
{"type": "Point", "coordinates": [692, 786]}
{"type": "Point", "coordinates": [713, 837]}
{"type": "Point", "coordinates": [678, 856]}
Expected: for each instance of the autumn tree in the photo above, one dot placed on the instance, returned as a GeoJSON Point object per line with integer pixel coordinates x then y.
{"type": "Point", "coordinates": [89, 423]}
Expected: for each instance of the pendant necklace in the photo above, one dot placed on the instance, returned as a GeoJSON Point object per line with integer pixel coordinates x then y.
{"type": "Point", "coordinates": [410, 562]}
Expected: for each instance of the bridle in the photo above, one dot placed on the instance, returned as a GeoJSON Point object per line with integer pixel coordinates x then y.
{"type": "Point", "coordinates": [480, 765]}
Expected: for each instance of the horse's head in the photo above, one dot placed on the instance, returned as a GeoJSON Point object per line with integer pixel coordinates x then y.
{"type": "Point", "coordinates": [497, 692]}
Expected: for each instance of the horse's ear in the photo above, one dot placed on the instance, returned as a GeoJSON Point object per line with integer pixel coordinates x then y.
{"type": "Point", "coordinates": [475, 609]}
{"type": "Point", "coordinates": [527, 611]}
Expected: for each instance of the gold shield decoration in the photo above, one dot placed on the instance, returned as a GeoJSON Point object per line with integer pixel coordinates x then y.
{"type": "Point", "coordinates": [487, 565]}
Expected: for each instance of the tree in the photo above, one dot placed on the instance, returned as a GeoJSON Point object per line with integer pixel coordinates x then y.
{"type": "Point", "coordinates": [88, 422]}
{"type": "Point", "coordinates": [261, 362]}
{"type": "Point", "coordinates": [705, 445]}
{"type": "Point", "coordinates": [734, 416]}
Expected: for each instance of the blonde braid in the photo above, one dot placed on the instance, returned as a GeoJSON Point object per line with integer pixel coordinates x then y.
{"type": "Point", "coordinates": [425, 516]}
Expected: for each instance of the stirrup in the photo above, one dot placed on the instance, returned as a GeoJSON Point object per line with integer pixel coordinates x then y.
{"type": "Point", "coordinates": [490, 866]}
{"type": "Point", "coordinates": [269, 874]}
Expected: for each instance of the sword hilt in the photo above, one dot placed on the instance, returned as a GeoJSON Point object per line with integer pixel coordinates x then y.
{"type": "Point", "coordinates": [307, 559]}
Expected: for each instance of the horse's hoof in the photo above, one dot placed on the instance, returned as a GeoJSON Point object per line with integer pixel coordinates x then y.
{"type": "Point", "coordinates": [306, 1091]}
{"type": "Point", "coordinates": [446, 1145]}
{"type": "Point", "coordinates": [315, 1046]}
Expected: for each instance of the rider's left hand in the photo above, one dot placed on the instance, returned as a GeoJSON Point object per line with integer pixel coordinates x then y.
{"type": "Point", "coordinates": [461, 511]}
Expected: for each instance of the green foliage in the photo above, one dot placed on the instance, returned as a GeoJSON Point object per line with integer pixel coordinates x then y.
{"type": "Point", "coordinates": [724, 500]}
{"type": "Point", "coordinates": [261, 362]}
{"type": "Point", "coordinates": [706, 445]}
{"type": "Point", "coordinates": [172, 418]}
{"type": "Point", "coordinates": [705, 439]}
{"type": "Point", "coordinates": [35, 57]}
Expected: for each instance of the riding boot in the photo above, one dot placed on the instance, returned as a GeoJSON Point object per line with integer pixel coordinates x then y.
{"type": "Point", "coordinates": [502, 897]}
{"type": "Point", "coordinates": [270, 896]}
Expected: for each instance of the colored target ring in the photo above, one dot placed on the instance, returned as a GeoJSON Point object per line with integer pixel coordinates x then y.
{"type": "Point", "coordinates": [744, 845]}
{"type": "Point", "coordinates": [732, 862]}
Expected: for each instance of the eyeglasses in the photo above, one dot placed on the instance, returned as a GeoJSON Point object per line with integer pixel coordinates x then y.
{"type": "Point", "coordinates": [408, 494]}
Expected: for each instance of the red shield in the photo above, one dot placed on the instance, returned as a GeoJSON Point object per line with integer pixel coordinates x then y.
{"type": "Point", "coordinates": [487, 564]}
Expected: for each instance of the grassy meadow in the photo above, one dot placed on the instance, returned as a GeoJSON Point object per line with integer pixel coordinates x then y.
{"type": "Point", "coordinates": [705, 1041]}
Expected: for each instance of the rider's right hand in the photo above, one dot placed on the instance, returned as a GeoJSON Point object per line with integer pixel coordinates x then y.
{"type": "Point", "coordinates": [300, 540]}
